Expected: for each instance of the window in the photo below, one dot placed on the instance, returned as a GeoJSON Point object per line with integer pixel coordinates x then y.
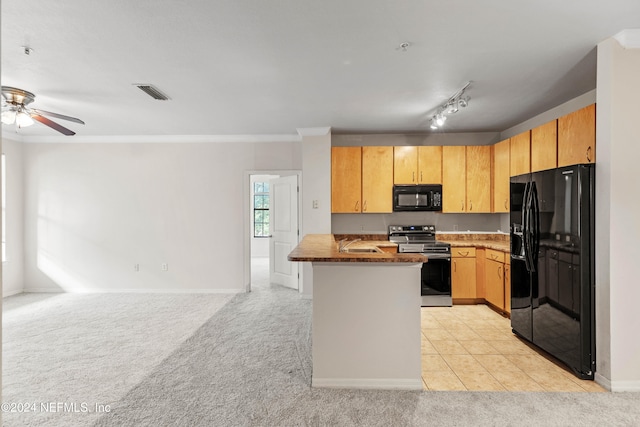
{"type": "Point", "coordinates": [261, 209]}
{"type": "Point", "coordinates": [3, 177]}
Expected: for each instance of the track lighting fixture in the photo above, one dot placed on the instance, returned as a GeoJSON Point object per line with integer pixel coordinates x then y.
{"type": "Point", "coordinates": [451, 106]}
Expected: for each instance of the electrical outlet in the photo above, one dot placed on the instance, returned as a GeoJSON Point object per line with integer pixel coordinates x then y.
{"type": "Point", "coordinates": [455, 227]}
{"type": "Point", "coordinates": [315, 204]}
{"type": "Point", "coordinates": [136, 267]}
{"type": "Point", "coordinates": [165, 267]}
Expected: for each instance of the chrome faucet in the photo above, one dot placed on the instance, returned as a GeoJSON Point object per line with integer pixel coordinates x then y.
{"type": "Point", "coordinates": [342, 247]}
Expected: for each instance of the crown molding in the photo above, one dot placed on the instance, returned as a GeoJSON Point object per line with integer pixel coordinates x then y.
{"type": "Point", "coordinates": [129, 139]}
{"type": "Point", "coordinates": [319, 131]}
{"type": "Point", "coordinates": [629, 39]}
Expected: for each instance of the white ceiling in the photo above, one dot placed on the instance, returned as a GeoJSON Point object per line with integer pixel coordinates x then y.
{"type": "Point", "coordinates": [240, 67]}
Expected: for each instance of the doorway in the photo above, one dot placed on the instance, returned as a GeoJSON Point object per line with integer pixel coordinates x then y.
{"type": "Point", "coordinates": [268, 238]}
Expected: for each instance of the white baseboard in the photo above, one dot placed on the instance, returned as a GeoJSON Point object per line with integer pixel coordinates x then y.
{"type": "Point", "coordinates": [617, 386]}
{"type": "Point", "coordinates": [603, 381]}
{"type": "Point", "coordinates": [10, 292]}
{"type": "Point", "coordinates": [135, 291]}
{"type": "Point", "coordinates": [368, 383]}
{"type": "Point", "coordinates": [625, 386]}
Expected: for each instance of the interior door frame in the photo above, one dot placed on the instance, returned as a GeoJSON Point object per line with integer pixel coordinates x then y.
{"type": "Point", "coordinates": [247, 230]}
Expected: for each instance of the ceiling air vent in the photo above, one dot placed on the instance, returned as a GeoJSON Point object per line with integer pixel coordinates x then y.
{"type": "Point", "coordinates": [152, 91]}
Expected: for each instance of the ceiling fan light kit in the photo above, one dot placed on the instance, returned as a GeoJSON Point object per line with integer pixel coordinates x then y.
{"type": "Point", "coordinates": [15, 110]}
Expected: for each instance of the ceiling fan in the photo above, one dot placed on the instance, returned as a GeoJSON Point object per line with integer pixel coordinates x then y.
{"type": "Point", "coordinates": [15, 110]}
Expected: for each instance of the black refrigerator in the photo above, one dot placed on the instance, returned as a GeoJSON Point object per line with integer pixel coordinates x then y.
{"type": "Point", "coordinates": [552, 263]}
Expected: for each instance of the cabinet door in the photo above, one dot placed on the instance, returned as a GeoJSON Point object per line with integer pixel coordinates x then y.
{"type": "Point", "coordinates": [463, 278]}
{"type": "Point", "coordinates": [544, 146]}
{"type": "Point", "coordinates": [521, 154]}
{"type": "Point", "coordinates": [377, 179]}
{"type": "Point", "coordinates": [577, 137]}
{"type": "Point", "coordinates": [453, 179]}
{"type": "Point", "coordinates": [405, 165]}
{"type": "Point", "coordinates": [501, 166]}
{"type": "Point", "coordinates": [507, 288]}
{"type": "Point", "coordinates": [478, 178]}
{"type": "Point", "coordinates": [346, 179]}
{"type": "Point", "coordinates": [480, 273]}
{"type": "Point", "coordinates": [430, 165]}
{"type": "Point", "coordinates": [494, 292]}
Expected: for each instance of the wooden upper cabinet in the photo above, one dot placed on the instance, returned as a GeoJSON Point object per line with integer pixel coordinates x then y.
{"type": "Point", "coordinates": [377, 179]}
{"type": "Point", "coordinates": [544, 146]}
{"type": "Point", "coordinates": [520, 154]}
{"type": "Point", "coordinates": [417, 165]}
{"type": "Point", "coordinates": [346, 179]}
{"type": "Point", "coordinates": [501, 167]}
{"type": "Point", "coordinates": [577, 137]}
{"type": "Point", "coordinates": [430, 165]}
{"type": "Point", "coordinates": [453, 178]}
{"type": "Point", "coordinates": [478, 178]}
{"type": "Point", "coordinates": [405, 165]}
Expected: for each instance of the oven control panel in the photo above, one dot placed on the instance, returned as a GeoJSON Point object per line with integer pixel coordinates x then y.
{"type": "Point", "coordinates": [412, 229]}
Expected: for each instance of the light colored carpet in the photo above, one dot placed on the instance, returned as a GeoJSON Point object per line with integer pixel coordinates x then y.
{"type": "Point", "coordinates": [89, 348]}
{"type": "Point", "coordinates": [249, 364]}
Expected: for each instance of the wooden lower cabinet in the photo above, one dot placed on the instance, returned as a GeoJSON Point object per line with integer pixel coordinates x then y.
{"type": "Point", "coordinates": [463, 275]}
{"type": "Point", "coordinates": [495, 279]}
{"type": "Point", "coordinates": [481, 275]}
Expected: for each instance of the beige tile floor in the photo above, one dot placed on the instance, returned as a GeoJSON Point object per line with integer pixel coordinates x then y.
{"type": "Point", "coordinates": [471, 347]}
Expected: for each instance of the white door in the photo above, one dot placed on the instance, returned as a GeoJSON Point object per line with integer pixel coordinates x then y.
{"type": "Point", "coordinates": [283, 217]}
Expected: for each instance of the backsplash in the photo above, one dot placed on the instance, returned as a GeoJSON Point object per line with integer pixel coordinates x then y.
{"type": "Point", "coordinates": [379, 223]}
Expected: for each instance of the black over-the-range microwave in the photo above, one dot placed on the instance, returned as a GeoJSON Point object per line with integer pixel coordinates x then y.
{"type": "Point", "coordinates": [426, 197]}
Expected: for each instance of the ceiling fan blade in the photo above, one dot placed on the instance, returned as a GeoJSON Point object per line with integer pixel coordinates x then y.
{"type": "Point", "coordinates": [56, 115]}
{"type": "Point", "coordinates": [52, 125]}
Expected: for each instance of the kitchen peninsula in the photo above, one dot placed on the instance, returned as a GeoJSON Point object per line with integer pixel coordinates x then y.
{"type": "Point", "coordinates": [366, 313]}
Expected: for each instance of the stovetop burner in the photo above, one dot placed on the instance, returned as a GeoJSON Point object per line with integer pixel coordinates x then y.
{"type": "Point", "coordinates": [417, 239]}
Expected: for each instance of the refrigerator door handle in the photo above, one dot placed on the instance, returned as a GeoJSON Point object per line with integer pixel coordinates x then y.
{"type": "Point", "coordinates": [535, 244]}
{"type": "Point", "coordinates": [533, 228]}
{"type": "Point", "coordinates": [526, 212]}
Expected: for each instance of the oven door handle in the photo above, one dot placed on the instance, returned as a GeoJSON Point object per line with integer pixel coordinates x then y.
{"type": "Point", "coordinates": [429, 256]}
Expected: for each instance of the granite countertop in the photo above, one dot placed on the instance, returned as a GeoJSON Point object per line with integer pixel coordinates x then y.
{"type": "Point", "coordinates": [495, 241]}
{"type": "Point", "coordinates": [324, 248]}
{"type": "Point", "coordinates": [486, 244]}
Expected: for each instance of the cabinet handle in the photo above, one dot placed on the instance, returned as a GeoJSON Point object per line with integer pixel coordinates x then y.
{"type": "Point", "coordinates": [364, 206]}
{"type": "Point", "coordinates": [461, 205]}
{"type": "Point", "coordinates": [589, 154]}
{"type": "Point", "coordinates": [505, 205]}
{"type": "Point", "coordinates": [455, 266]}
{"type": "Point", "coordinates": [470, 205]}
{"type": "Point", "coordinates": [500, 272]}
{"type": "Point", "coordinates": [463, 254]}
{"type": "Point", "coordinates": [357, 208]}
{"type": "Point", "coordinates": [413, 177]}
{"type": "Point", "coordinates": [421, 180]}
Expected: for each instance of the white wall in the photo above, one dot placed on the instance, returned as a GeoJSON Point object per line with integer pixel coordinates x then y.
{"type": "Point", "coordinates": [617, 229]}
{"type": "Point", "coordinates": [93, 211]}
{"type": "Point", "coordinates": [316, 186]}
{"type": "Point", "coordinates": [12, 269]}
